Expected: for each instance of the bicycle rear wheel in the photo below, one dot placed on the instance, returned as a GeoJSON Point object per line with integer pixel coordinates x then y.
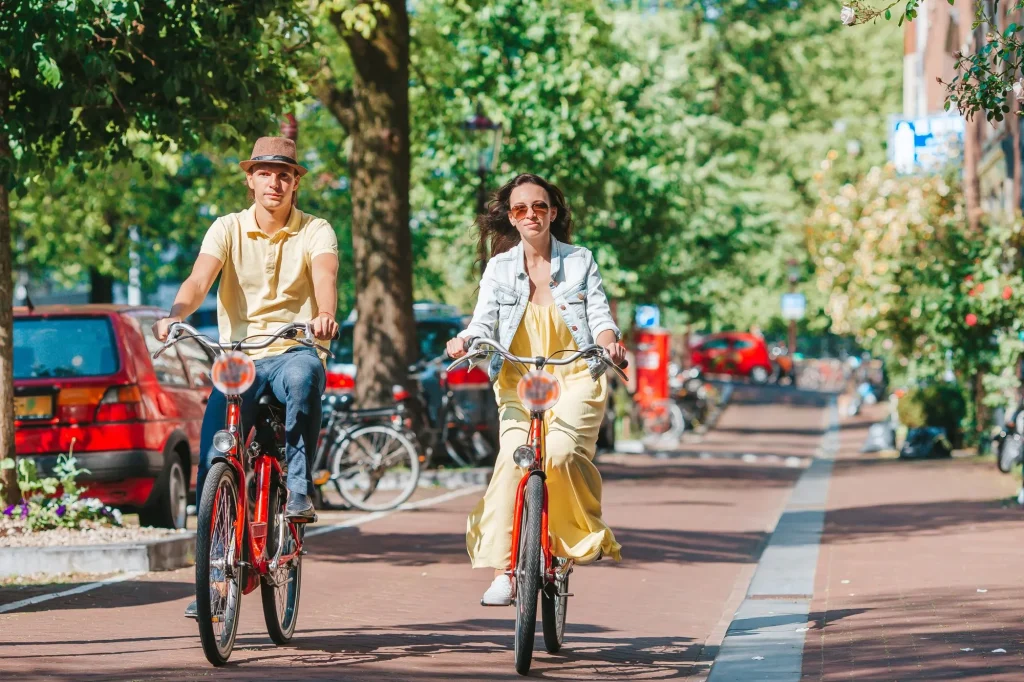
{"type": "Point", "coordinates": [528, 573]}
{"type": "Point", "coordinates": [375, 468]}
{"type": "Point", "coordinates": [219, 573]}
{"type": "Point", "coordinates": [280, 588]}
{"type": "Point", "coordinates": [554, 602]}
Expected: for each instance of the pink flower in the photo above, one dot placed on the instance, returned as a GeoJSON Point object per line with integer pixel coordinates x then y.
{"type": "Point", "coordinates": [971, 319]}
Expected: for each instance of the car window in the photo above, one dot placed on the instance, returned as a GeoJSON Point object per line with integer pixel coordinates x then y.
{"type": "Point", "coordinates": [715, 344]}
{"type": "Point", "coordinates": [46, 347]}
{"type": "Point", "coordinates": [197, 362]}
{"type": "Point", "coordinates": [168, 368]}
{"type": "Point", "coordinates": [742, 344]}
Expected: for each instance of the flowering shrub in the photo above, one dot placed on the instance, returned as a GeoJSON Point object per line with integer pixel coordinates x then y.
{"type": "Point", "coordinates": [56, 501]}
{"type": "Point", "coordinates": [902, 274]}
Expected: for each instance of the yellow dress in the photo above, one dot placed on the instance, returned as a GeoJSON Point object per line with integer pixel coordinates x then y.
{"type": "Point", "coordinates": [571, 429]}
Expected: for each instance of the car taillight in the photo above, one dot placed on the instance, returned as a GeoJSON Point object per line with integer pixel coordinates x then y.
{"type": "Point", "coordinates": [467, 379]}
{"type": "Point", "coordinates": [120, 404]}
{"type": "Point", "coordinates": [76, 405]}
{"type": "Point", "coordinates": [339, 382]}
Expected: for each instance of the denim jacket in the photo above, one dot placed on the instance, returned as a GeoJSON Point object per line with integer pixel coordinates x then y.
{"type": "Point", "coordinates": [575, 284]}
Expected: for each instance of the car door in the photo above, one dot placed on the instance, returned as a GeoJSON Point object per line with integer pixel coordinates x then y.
{"type": "Point", "coordinates": [198, 367]}
{"type": "Point", "coordinates": [182, 403]}
{"type": "Point", "coordinates": [716, 355]}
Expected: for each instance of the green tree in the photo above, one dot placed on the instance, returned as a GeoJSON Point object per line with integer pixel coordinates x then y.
{"type": "Point", "coordinates": [83, 82]}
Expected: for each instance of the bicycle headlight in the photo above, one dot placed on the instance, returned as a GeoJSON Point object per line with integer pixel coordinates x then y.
{"type": "Point", "coordinates": [524, 456]}
{"type": "Point", "coordinates": [224, 441]}
{"type": "Point", "coordinates": [539, 391]}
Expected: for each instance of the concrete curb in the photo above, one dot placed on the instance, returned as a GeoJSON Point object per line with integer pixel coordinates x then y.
{"type": "Point", "coordinates": [164, 554]}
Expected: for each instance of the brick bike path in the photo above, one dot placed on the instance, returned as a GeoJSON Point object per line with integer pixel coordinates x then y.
{"type": "Point", "coordinates": [919, 575]}
{"type": "Point", "coordinates": [395, 598]}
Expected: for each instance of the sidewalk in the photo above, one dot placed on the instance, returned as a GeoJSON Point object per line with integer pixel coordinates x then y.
{"type": "Point", "coordinates": [920, 573]}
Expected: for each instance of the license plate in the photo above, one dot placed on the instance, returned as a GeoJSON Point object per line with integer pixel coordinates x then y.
{"type": "Point", "coordinates": [33, 407]}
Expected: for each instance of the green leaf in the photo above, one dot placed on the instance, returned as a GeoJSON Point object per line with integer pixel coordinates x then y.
{"type": "Point", "coordinates": [888, 13]}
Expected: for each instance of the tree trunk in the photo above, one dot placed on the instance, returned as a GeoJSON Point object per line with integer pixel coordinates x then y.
{"type": "Point", "coordinates": [8, 477]}
{"type": "Point", "coordinates": [385, 332]}
{"type": "Point", "coordinates": [101, 287]}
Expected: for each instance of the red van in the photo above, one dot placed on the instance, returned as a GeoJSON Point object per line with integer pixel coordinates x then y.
{"type": "Point", "coordinates": [84, 381]}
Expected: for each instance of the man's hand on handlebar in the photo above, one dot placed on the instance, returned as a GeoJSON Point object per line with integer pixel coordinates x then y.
{"type": "Point", "coordinates": [162, 327]}
{"type": "Point", "coordinates": [324, 326]}
{"type": "Point", "coordinates": [456, 348]}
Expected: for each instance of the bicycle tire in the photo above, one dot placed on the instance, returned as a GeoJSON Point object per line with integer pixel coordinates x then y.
{"type": "Point", "coordinates": [406, 452]}
{"type": "Point", "coordinates": [554, 603]}
{"type": "Point", "coordinates": [281, 606]}
{"type": "Point", "coordinates": [216, 534]}
{"type": "Point", "coordinates": [528, 573]}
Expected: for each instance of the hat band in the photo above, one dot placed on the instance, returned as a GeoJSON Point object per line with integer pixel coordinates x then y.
{"type": "Point", "coordinates": [274, 158]}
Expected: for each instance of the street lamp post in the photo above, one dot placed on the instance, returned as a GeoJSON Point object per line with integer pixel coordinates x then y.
{"type": "Point", "coordinates": [486, 136]}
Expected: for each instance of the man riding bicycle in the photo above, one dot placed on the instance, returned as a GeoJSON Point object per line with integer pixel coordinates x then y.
{"type": "Point", "coordinates": [278, 265]}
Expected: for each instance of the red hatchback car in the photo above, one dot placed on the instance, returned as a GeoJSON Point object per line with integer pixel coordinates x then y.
{"type": "Point", "coordinates": [83, 376]}
{"type": "Point", "coordinates": [733, 353]}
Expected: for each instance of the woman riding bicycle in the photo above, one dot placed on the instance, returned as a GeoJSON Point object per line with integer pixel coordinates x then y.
{"type": "Point", "coordinates": [540, 295]}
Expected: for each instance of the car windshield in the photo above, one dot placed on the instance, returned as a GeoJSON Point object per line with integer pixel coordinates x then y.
{"type": "Point", "coordinates": [431, 337]}
{"type": "Point", "coordinates": [48, 347]}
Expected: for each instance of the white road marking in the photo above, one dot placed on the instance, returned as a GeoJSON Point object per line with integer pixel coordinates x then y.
{"type": "Point", "coordinates": [408, 506]}
{"type": "Point", "coordinates": [38, 599]}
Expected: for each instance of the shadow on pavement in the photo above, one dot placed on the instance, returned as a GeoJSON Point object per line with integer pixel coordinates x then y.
{"type": "Point", "coordinates": [693, 475]}
{"type": "Point", "coordinates": [857, 523]}
{"type": "Point", "coordinates": [114, 596]}
{"type": "Point", "coordinates": [662, 545]}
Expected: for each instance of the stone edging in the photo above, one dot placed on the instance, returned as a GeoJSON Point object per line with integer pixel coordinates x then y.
{"type": "Point", "coordinates": [163, 554]}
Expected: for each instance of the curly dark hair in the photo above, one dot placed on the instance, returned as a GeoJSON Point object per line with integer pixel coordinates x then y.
{"type": "Point", "coordinates": [501, 235]}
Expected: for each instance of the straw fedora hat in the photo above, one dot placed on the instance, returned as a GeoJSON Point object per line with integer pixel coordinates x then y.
{"type": "Point", "coordinates": [273, 150]}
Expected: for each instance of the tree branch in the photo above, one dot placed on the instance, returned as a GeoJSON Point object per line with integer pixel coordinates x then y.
{"type": "Point", "coordinates": [339, 102]}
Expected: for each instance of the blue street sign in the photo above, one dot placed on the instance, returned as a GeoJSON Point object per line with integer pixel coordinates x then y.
{"type": "Point", "coordinates": [648, 316]}
{"type": "Point", "coordinates": [794, 306]}
{"type": "Point", "coordinates": [926, 144]}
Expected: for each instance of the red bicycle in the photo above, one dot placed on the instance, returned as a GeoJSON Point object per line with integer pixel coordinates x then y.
{"type": "Point", "coordinates": [243, 540]}
{"type": "Point", "coordinates": [533, 569]}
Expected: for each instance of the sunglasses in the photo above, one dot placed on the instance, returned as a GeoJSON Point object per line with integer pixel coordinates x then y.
{"type": "Point", "coordinates": [540, 209]}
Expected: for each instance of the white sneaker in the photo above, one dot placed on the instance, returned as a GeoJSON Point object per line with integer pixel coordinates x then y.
{"type": "Point", "coordinates": [499, 593]}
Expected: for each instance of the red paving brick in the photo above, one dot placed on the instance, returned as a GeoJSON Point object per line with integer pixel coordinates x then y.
{"type": "Point", "coordinates": [919, 572]}
{"type": "Point", "coordinates": [396, 599]}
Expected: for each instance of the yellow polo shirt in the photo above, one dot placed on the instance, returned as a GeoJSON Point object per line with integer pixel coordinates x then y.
{"type": "Point", "coordinates": [266, 281]}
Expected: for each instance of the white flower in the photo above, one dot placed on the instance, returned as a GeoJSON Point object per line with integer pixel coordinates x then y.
{"type": "Point", "coordinates": [847, 16]}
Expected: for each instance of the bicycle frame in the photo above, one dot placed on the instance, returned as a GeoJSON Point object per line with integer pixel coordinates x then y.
{"type": "Point", "coordinates": [536, 441]}
{"type": "Point", "coordinates": [264, 467]}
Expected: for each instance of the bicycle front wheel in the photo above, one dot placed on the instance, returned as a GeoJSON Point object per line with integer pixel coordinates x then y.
{"type": "Point", "coordinates": [219, 572]}
{"type": "Point", "coordinates": [375, 468]}
{"type": "Point", "coordinates": [280, 588]}
{"type": "Point", "coordinates": [528, 573]}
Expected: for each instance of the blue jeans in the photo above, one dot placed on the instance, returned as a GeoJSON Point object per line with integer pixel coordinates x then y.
{"type": "Point", "coordinates": [297, 379]}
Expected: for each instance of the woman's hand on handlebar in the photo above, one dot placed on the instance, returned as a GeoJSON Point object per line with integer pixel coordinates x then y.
{"type": "Point", "coordinates": [163, 327]}
{"type": "Point", "coordinates": [616, 353]}
{"type": "Point", "coordinates": [456, 348]}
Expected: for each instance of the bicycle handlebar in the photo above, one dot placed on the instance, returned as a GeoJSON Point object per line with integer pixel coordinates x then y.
{"type": "Point", "coordinates": [181, 330]}
{"type": "Point", "coordinates": [593, 350]}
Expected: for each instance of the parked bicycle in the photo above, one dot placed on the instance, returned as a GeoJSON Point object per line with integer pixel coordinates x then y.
{"type": "Point", "coordinates": [533, 569]}
{"type": "Point", "coordinates": [449, 436]}
{"type": "Point", "coordinates": [368, 456]}
{"type": "Point", "coordinates": [243, 540]}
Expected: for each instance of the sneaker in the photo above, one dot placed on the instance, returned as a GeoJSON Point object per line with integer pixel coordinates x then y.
{"type": "Point", "coordinates": [191, 611]}
{"type": "Point", "coordinates": [299, 509]}
{"type": "Point", "coordinates": [499, 593]}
